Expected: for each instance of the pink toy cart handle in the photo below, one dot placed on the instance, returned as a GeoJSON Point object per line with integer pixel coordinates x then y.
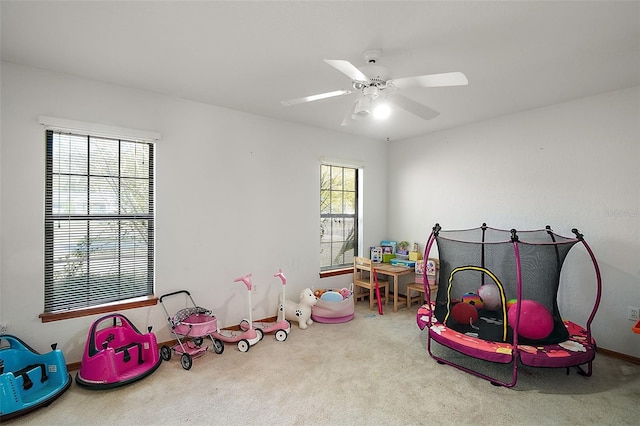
{"type": "Point", "coordinates": [246, 280]}
{"type": "Point", "coordinates": [281, 276]}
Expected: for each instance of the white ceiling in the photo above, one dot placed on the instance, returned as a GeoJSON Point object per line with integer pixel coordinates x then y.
{"type": "Point", "coordinates": [249, 56]}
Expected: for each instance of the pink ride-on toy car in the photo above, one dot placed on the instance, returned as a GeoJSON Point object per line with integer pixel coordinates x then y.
{"type": "Point", "coordinates": [117, 355]}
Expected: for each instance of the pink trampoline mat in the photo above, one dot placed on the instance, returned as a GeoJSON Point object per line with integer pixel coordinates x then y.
{"type": "Point", "coordinates": [576, 350]}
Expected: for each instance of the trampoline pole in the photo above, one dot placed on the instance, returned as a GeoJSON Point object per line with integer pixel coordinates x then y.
{"type": "Point", "coordinates": [516, 251]}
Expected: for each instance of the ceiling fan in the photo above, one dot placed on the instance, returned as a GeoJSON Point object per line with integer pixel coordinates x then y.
{"type": "Point", "coordinates": [377, 89]}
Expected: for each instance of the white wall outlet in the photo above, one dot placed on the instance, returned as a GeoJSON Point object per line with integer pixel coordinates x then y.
{"type": "Point", "coordinates": [3, 328]}
{"type": "Point", "coordinates": [633, 313]}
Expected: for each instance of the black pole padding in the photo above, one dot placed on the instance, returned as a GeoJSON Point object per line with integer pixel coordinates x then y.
{"type": "Point", "coordinates": [54, 346]}
{"type": "Point", "coordinates": [514, 236]}
{"type": "Point", "coordinates": [484, 226]}
{"type": "Point", "coordinates": [149, 328]}
{"type": "Point", "coordinates": [578, 234]}
{"type": "Point", "coordinates": [550, 232]}
{"type": "Point", "coordinates": [436, 229]}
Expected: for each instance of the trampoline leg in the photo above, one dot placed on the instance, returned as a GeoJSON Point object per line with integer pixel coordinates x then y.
{"type": "Point", "coordinates": [582, 372]}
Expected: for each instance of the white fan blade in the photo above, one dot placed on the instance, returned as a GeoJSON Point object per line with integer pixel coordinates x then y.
{"type": "Point", "coordinates": [347, 68]}
{"type": "Point", "coordinates": [348, 118]}
{"type": "Point", "coordinates": [315, 97]}
{"type": "Point", "coordinates": [432, 80]}
{"type": "Point", "coordinates": [413, 107]}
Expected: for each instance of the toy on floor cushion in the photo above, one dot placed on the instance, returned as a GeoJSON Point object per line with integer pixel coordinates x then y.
{"type": "Point", "coordinates": [301, 311]}
{"type": "Point", "coordinates": [331, 296]}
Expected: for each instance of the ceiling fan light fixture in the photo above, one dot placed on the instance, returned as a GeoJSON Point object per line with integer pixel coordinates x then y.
{"type": "Point", "coordinates": [363, 108]}
{"type": "Point", "coordinates": [381, 111]}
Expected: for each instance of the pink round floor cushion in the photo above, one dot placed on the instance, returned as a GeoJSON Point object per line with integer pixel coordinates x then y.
{"type": "Point", "coordinates": [535, 320]}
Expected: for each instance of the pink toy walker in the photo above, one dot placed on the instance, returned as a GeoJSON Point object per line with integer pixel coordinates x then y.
{"type": "Point", "coordinates": [281, 327]}
{"type": "Point", "coordinates": [190, 325]}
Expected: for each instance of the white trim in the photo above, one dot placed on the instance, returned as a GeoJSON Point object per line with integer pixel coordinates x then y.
{"type": "Point", "coordinates": [95, 129]}
{"type": "Point", "coordinates": [342, 163]}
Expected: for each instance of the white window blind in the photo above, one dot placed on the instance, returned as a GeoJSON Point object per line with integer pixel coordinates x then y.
{"type": "Point", "coordinates": [99, 220]}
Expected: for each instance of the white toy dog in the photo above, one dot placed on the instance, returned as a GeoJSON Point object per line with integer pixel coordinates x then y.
{"type": "Point", "coordinates": [301, 311]}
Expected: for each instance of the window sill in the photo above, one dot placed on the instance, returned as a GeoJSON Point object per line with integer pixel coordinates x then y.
{"type": "Point", "coordinates": [139, 302]}
{"type": "Point", "coordinates": [335, 272]}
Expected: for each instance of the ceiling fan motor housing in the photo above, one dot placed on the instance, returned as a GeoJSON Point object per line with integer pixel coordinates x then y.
{"type": "Point", "coordinates": [371, 55]}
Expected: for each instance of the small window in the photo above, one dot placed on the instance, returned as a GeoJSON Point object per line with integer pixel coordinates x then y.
{"type": "Point", "coordinates": [99, 221]}
{"type": "Point", "coordinates": [338, 216]}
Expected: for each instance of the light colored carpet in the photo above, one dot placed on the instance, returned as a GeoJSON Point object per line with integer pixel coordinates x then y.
{"type": "Point", "coordinates": [372, 370]}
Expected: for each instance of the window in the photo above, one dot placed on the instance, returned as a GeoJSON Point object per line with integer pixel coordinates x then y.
{"type": "Point", "coordinates": [99, 221]}
{"type": "Point", "coordinates": [338, 216]}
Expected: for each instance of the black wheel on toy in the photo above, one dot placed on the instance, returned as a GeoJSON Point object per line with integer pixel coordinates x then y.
{"type": "Point", "coordinates": [186, 361]}
{"type": "Point", "coordinates": [198, 341]}
{"type": "Point", "coordinates": [218, 346]}
{"type": "Point", "coordinates": [244, 325]}
{"type": "Point", "coordinates": [165, 352]}
{"type": "Point", "coordinates": [281, 335]}
{"type": "Point", "coordinates": [260, 333]}
{"type": "Point", "coordinates": [243, 345]}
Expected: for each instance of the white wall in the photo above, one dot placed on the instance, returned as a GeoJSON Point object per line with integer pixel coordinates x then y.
{"type": "Point", "coordinates": [574, 165]}
{"type": "Point", "coordinates": [236, 194]}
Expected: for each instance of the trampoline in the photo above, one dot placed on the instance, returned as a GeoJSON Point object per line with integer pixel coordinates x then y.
{"type": "Point", "coordinates": [497, 300]}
